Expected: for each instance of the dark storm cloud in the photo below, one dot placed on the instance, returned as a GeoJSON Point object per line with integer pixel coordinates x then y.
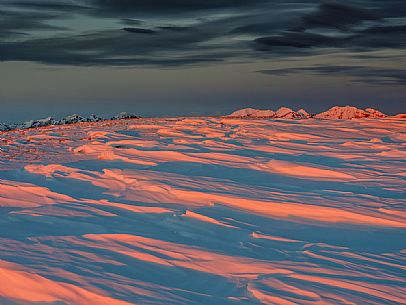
{"type": "Point", "coordinates": [379, 37]}
{"type": "Point", "coordinates": [296, 40]}
{"type": "Point", "coordinates": [14, 23]}
{"type": "Point", "coordinates": [380, 76]}
{"type": "Point", "coordinates": [158, 33]}
{"type": "Point", "coordinates": [338, 15]}
{"type": "Point", "coordinates": [158, 6]}
{"type": "Point", "coordinates": [117, 8]}
{"type": "Point", "coordinates": [122, 47]}
{"type": "Point", "coordinates": [396, 29]}
{"type": "Point", "coordinates": [48, 5]}
{"type": "Point", "coordinates": [326, 15]}
{"type": "Point", "coordinates": [139, 30]}
{"type": "Point", "coordinates": [365, 40]}
{"type": "Point", "coordinates": [170, 45]}
{"type": "Point", "coordinates": [129, 21]}
{"type": "Point", "coordinates": [335, 25]}
{"type": "Point", "coordinates": [175, 28]}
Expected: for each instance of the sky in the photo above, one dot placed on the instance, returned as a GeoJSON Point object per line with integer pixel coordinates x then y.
{"type": "Point", "coordinates": [199, 57]}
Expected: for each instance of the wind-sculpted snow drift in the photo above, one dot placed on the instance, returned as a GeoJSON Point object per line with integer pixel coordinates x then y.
{"type": "Point", "coordinates": [204, 211]}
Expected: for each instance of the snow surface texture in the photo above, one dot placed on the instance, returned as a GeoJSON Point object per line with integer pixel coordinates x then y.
{"type": "Point", "coordinates": [204, 211]}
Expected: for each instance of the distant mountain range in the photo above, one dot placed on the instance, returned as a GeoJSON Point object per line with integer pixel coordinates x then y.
{"type": "Point", "coordinates": [70, 119]}
{"type": "Point", "coordinates": [334, 113]}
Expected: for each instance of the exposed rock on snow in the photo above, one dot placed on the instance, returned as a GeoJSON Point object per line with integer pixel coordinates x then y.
{"type": "Point", "coordinates": [304, 114]}
{"type": "Point", "coordinates": [287, 113]}
{"type": "Point", "coordinates": [124, 115]}
{"type": "Point", "coordinates": [375, 113]}
{"type": "Point", "coordinates": [70, 119]}
{"type": "Point", "coordinates": [4, 127]}
{"type": "Point", "coordinates": [94, 118]}
{"type": "Point", "coordinates": [284, 112]}
{"type": "Point", "coordinates": [37, 123]}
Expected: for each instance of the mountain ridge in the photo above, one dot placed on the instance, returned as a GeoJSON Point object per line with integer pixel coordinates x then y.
{"type": "Point", "coordinates": [70, 119]}
{"type": "Point", "coordinates": [334, 113]}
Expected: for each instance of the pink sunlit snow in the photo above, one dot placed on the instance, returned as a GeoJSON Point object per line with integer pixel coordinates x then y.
{"type": "Point", "coordinates": [192, 211]}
